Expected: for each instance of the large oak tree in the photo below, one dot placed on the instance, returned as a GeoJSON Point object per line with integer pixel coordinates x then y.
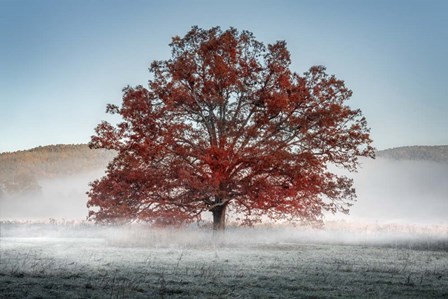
{"type": "Point", "coordinates": [226, 125]}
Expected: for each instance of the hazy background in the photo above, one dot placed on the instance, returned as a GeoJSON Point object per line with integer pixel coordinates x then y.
{"type": "Point", "coordinates": [389, 191]}
{"type": "Point", "coordinates": [60, 198]}
{"type": "Point", "coordinates": [400, 191]}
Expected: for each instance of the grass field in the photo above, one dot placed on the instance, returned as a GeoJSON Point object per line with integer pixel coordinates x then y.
{"type": "Point", "coordinates": [73, 261]}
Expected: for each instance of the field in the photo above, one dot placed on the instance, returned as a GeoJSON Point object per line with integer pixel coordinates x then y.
{"type": "Point", "coordinates": [83, 261]}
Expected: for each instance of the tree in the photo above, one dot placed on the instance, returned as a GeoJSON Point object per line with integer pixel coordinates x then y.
{"type": "Point", "coordinates": [226, 125]}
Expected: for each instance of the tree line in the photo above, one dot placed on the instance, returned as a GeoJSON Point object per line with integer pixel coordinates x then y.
{"type": "Point", "coordinates": [21, 171]}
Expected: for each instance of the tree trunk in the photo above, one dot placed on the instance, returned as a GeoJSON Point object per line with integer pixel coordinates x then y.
{"type": "Point", "coordinates": [219, 218]}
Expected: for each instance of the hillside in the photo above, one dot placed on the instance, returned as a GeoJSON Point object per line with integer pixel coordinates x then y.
{"type": "Point", "coordinates": [21, 171]}
{"type": "Point", "coordinates": [53, 160]}
{"type": "Point", "coordinates": [437, 153]}
{"type": "Point", "coordinates": [67, 159]}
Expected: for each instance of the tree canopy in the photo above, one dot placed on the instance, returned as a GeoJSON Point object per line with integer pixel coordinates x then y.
{"type": "Point", "coordinates": [226, 125]}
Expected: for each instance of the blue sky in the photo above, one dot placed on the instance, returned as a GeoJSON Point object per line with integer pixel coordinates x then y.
{"type": "Point", "coordinates": [62, 61]}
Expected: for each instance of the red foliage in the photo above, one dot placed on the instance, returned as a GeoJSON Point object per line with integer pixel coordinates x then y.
{"type": "Point", "coordinates": [226, 124]}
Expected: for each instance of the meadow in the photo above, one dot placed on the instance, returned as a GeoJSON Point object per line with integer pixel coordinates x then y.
{"type": "Point", "coordinates": [78, 260]}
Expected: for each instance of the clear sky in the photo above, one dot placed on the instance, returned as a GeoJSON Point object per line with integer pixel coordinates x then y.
{"type": "Point", "coordinates": [62, 61]}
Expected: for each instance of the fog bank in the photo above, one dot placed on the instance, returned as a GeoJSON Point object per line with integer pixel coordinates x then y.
{"type": "Point", "coordinates": [389, 191]}
{"type": "Point", "coordinates": [60, 198]}
{"type": "Point", "coordinates": [400, 191]}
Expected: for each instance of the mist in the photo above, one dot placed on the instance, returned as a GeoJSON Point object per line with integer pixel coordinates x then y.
{"type": "Point", "coordinates": [389, 191]}
{"type": "Point", "coordinates": [400, 191]}
{"type": "Point", "coordinates": [60, 198]}
{"type": "Point", "coordinates": [393, 242]}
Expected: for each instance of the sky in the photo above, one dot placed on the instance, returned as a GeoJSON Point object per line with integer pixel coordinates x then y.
{"type": "Point", "coordinates": [61, 62]}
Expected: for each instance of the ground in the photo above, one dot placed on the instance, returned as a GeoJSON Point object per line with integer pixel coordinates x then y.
{"type": "Point", "coordinates": [50, 261]}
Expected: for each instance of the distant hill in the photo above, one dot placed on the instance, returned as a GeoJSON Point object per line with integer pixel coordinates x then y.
{"type": "Point", "coordinates": [53, 160]}
{"type": "Point", "coordinates": [438, 153]}
{"type": "Point", "coordinates": [20, 171]}
{"type": "Point", "coordinates": [67, 159]}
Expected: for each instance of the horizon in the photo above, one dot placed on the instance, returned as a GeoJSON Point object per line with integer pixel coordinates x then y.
{"type": "Point", "coordinates": [376, 149]}
{"type": "Point", "coordinates": [65, 61]}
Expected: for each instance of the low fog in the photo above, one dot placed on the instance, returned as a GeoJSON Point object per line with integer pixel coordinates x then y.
{"type": "Point", "coordinates": [394, 242]}
{"type": "Point", "coordinates": [61, 198]}
{"type": "Point", "coordinates": [400, 191]}
{"type": "Point", "coordinates": [389, 191]}
{"type": "Point", "coordinates": [202, 237]}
